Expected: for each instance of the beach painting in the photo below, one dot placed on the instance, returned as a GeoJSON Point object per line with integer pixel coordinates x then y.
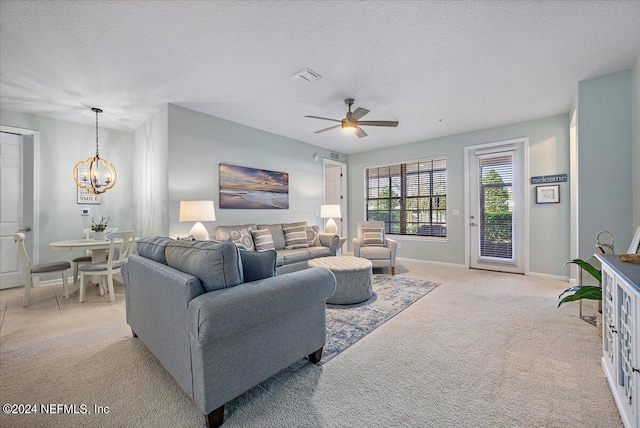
{"type": "Point", "coordinates": [250, 188]}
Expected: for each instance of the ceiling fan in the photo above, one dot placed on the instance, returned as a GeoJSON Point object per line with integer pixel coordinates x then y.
{"type": "Point", "coordinates": [352, 122]}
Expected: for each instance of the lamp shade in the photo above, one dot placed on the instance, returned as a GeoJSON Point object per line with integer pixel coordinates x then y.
{"type": "Point", "coordinates": [330, 211]}
{"type": "Point", "coordinates": [197, 211]}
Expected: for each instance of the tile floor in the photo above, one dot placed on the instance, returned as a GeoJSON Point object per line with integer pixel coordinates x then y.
{"type": "Point", "coordinates": [48, 302]}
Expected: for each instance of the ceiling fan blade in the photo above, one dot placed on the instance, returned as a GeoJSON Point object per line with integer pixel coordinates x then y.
{"type": "Point", "coordinates": [360, 132]}
{"type": "Point", "coordinates": [393, 123]}
{"type": "Point", "coordinates": [327, 129]}
{"type": "Point", "coordinates": [359, 112]}
{"type": "Point", "coordinates": [323, 118]}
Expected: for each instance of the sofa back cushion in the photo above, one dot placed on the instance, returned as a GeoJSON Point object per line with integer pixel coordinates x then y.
{"type": "Point", "coordinates": [216, 264]}
{"type": "Point", "coordinates": [276, 233]}
{"type": "Point", "coordinates": [295, 235]}
{"type": "Point", "coordinates": [153, 248]}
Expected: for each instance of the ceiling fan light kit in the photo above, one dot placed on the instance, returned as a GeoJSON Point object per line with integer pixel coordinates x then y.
{"type": "Point", "coordinates": [351, 122]}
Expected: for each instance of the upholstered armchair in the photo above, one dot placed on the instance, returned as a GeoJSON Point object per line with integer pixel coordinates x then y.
{"type": "Point", "coordinates": [372, 244]}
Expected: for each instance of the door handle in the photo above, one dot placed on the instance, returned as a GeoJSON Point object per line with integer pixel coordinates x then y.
{"type": "Point", "coordinates": [26, 229]}
{"type": "Point", "coordinates": [472, 224]}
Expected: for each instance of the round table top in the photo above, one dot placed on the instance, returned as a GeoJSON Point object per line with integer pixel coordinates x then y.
{"type": "Point", "coordinates": [80, 243]}
{"type": "Point", "coordinates": [341, 263]}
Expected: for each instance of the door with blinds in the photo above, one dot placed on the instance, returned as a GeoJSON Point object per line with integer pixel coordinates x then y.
{"type": "Point", "coordinates": [497, 208]}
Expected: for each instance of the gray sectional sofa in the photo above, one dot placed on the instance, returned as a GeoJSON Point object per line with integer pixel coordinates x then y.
{"type": "Point", "coordinates": [288, 260]}
{"type": "Point", "coordinates": [218, 319]}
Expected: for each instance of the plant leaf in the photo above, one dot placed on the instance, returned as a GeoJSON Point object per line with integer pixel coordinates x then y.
{"type": "Point", "coordinates": [588, 267]}
{"type": "Point", "coordinates": [590, 292]}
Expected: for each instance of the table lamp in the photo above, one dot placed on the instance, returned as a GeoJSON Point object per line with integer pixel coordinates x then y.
{"type": "Point", "coordinates": [330, 212]}
{"type": "Point", "coordinates": [197, 211]}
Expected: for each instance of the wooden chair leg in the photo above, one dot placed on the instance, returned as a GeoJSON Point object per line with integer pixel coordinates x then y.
{"type": "Point", "coordinates": [112, 296]}
{"type": "Point", "coordinates": [393, 270]}
{"type": "Point", "coordinates": [65, 284]}
{"type": "Point", "coordinates": [315, 357]}
{"type": "Point", "coordinates": [215, 418]}
{"type": "Point", "coordinates": [82, 287]}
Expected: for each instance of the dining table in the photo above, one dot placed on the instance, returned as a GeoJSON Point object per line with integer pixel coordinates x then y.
{"type": "Point", "coordinates": [98, 247]}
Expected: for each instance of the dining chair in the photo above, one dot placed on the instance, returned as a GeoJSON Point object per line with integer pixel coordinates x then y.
{"type": "Point", "coordinates": [86, 259]}
{"type": "Point", "coordinates": [29, 271]}
{"type": "Point", "coordinates": [121, 242]}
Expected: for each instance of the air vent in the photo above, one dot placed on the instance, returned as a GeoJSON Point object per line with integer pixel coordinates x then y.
{"type": "Point", "coordinates": [335, 156]}
{"type": "Point", "coordinates": [305, 76]}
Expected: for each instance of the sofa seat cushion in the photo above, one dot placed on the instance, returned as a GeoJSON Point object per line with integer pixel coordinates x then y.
{"type": "Point", "coordinates": [294, 256]}
{"type": "Point", "coordinates": [319, 251]}
{"type": "Point", "coordinates": [153, 248]}
{"type": "Point", "coordinates": [276, 233]}
{"type": "Point", "coordinates": [375, 253]}
{"type": "Point", "coordinates": [216, 264]}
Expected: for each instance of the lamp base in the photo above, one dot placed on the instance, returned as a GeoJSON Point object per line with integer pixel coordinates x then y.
{"type": "Point", "coordinates": [199, 232]}
{"type": "Point", "coordinates": [331, 226]}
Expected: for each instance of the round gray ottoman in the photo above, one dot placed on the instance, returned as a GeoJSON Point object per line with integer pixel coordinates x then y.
{"type": "Point", "coordinates": [353, 278]}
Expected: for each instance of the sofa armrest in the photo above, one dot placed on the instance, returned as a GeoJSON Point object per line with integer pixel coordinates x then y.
{"type": "Point", "coordinates": [393, 246]}
{"type": "Point", "coordinates": [356, 247]}
{"type": "Point", "coordinates": [221, 313]}
{"type": "Point", "coordinates": [330, 240]}
{"type": "Point", "coordinates": [258, 264]}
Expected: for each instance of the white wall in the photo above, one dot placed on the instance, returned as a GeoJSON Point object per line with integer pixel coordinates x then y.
{"type": "Point", "coordinates": [62, 144]}
{"type": "Point", "coordinates": [198, 143]}
{"type": "Point", "coordinates": [605, 161]}
{"type": "Point", "coordinates": [549, 224]}
{"type": "Point", "coordinates": [151, 192]}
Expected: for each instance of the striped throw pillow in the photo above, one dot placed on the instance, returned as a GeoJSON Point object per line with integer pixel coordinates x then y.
{"type": "Point", "coordinates": [263, 240]}
{"type": "Point", "coordinates": [295, 236]}
{"type": "Point", "coordinates": [372, 237]}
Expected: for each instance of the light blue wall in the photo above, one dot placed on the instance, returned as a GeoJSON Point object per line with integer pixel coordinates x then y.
{"type": "Point", "coordinates": [548, 154]}
{"type": "Point", "coordinates": [635, 118]}
{"type": "Point", "coordinates": [605, 197]}
{"type": "Point", "coordinates": [198, 143]}
{"type": "Point", "coordinates": [62, 144]}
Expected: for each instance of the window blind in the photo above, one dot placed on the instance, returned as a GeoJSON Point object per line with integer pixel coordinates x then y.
{"type": "Point", "coordinates": [410, 197]}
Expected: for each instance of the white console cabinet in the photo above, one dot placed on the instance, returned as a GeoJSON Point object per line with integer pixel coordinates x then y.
{"type": "Point", "coordinates": [620, 331]}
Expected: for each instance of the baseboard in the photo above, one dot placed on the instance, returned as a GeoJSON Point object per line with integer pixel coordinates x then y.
{"type": "Point", "coordinates": [430, 262]}
{"type": "Point", "coordinates": [548, 276]}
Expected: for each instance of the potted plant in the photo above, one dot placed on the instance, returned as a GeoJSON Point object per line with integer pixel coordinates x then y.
{"type": "Point", "coordinates": [591, 292]}
{"type": "Point", "coordinates": [99, 227]}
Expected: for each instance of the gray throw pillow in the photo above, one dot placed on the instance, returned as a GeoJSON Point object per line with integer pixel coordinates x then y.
{"type": "Point", "coordinates": [263, 240]}
{"type": "Point", "coordinates": [295, 236]}
{"type": "Point", "coordinates": [313, 236]}
{"type": "Point", "coordinates": [372, 237]}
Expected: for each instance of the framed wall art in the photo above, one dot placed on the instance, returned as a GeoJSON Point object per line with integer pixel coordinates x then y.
{"type": "Point", "coordinates": [85, 197]}
{"type": "Point", "coordinates": [250, 188]}
{"type": "Point", "coordinates": [548, 194]}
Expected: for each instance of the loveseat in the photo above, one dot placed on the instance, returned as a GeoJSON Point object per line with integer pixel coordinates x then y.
{"type": "Point", "coordinates": [218, 319]}
{"type": "Point", "coordinates": [295, 243]}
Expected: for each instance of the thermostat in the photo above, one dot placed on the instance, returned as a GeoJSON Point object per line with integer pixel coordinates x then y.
{"type": "Point", "coordinates": [85, 211]}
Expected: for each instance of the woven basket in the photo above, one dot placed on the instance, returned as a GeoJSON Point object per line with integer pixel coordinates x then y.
{"type": "Point", "coordinates": [634, 258]}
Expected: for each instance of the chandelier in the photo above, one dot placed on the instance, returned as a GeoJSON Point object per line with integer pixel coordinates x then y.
{"type": "Point", "coordinates": [95, 174]}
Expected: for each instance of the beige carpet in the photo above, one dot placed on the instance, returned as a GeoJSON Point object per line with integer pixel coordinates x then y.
{"type": "Point", "coordinates": [482, 350]}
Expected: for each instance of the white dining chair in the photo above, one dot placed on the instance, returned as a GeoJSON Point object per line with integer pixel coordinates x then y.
{"type": "Point", "coordinates": [86, 259]}
{"type": "Point", "coordinates": [29, 271]}
{"type": "Point", "coordinates": [122, 244]}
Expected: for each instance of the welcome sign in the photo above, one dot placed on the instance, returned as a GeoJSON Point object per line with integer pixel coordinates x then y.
{"type": "Point", "coordinates": [543, 179]}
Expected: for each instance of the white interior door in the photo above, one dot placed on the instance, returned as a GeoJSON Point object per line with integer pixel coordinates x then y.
{"type": "Point", "coordinates": [10, 208]}
{"type": "Point", "coordinates": [335, 191]}
{"type": "Point", "coordinates": [497, 207]}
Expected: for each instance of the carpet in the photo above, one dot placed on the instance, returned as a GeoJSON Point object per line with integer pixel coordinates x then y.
{"type": "Point", "coordinates": [346, 324]}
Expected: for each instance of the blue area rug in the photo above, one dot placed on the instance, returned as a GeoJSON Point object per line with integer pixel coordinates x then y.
{"type": "Point", "coordinates": [346, 324]}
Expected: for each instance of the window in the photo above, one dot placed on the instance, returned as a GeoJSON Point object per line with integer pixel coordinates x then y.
{"type": "Point", "coordinates": [411, 197]}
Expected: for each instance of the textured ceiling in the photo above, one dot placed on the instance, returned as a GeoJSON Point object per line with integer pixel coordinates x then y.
{"type": "Point", "coordinates": [438, 67]}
